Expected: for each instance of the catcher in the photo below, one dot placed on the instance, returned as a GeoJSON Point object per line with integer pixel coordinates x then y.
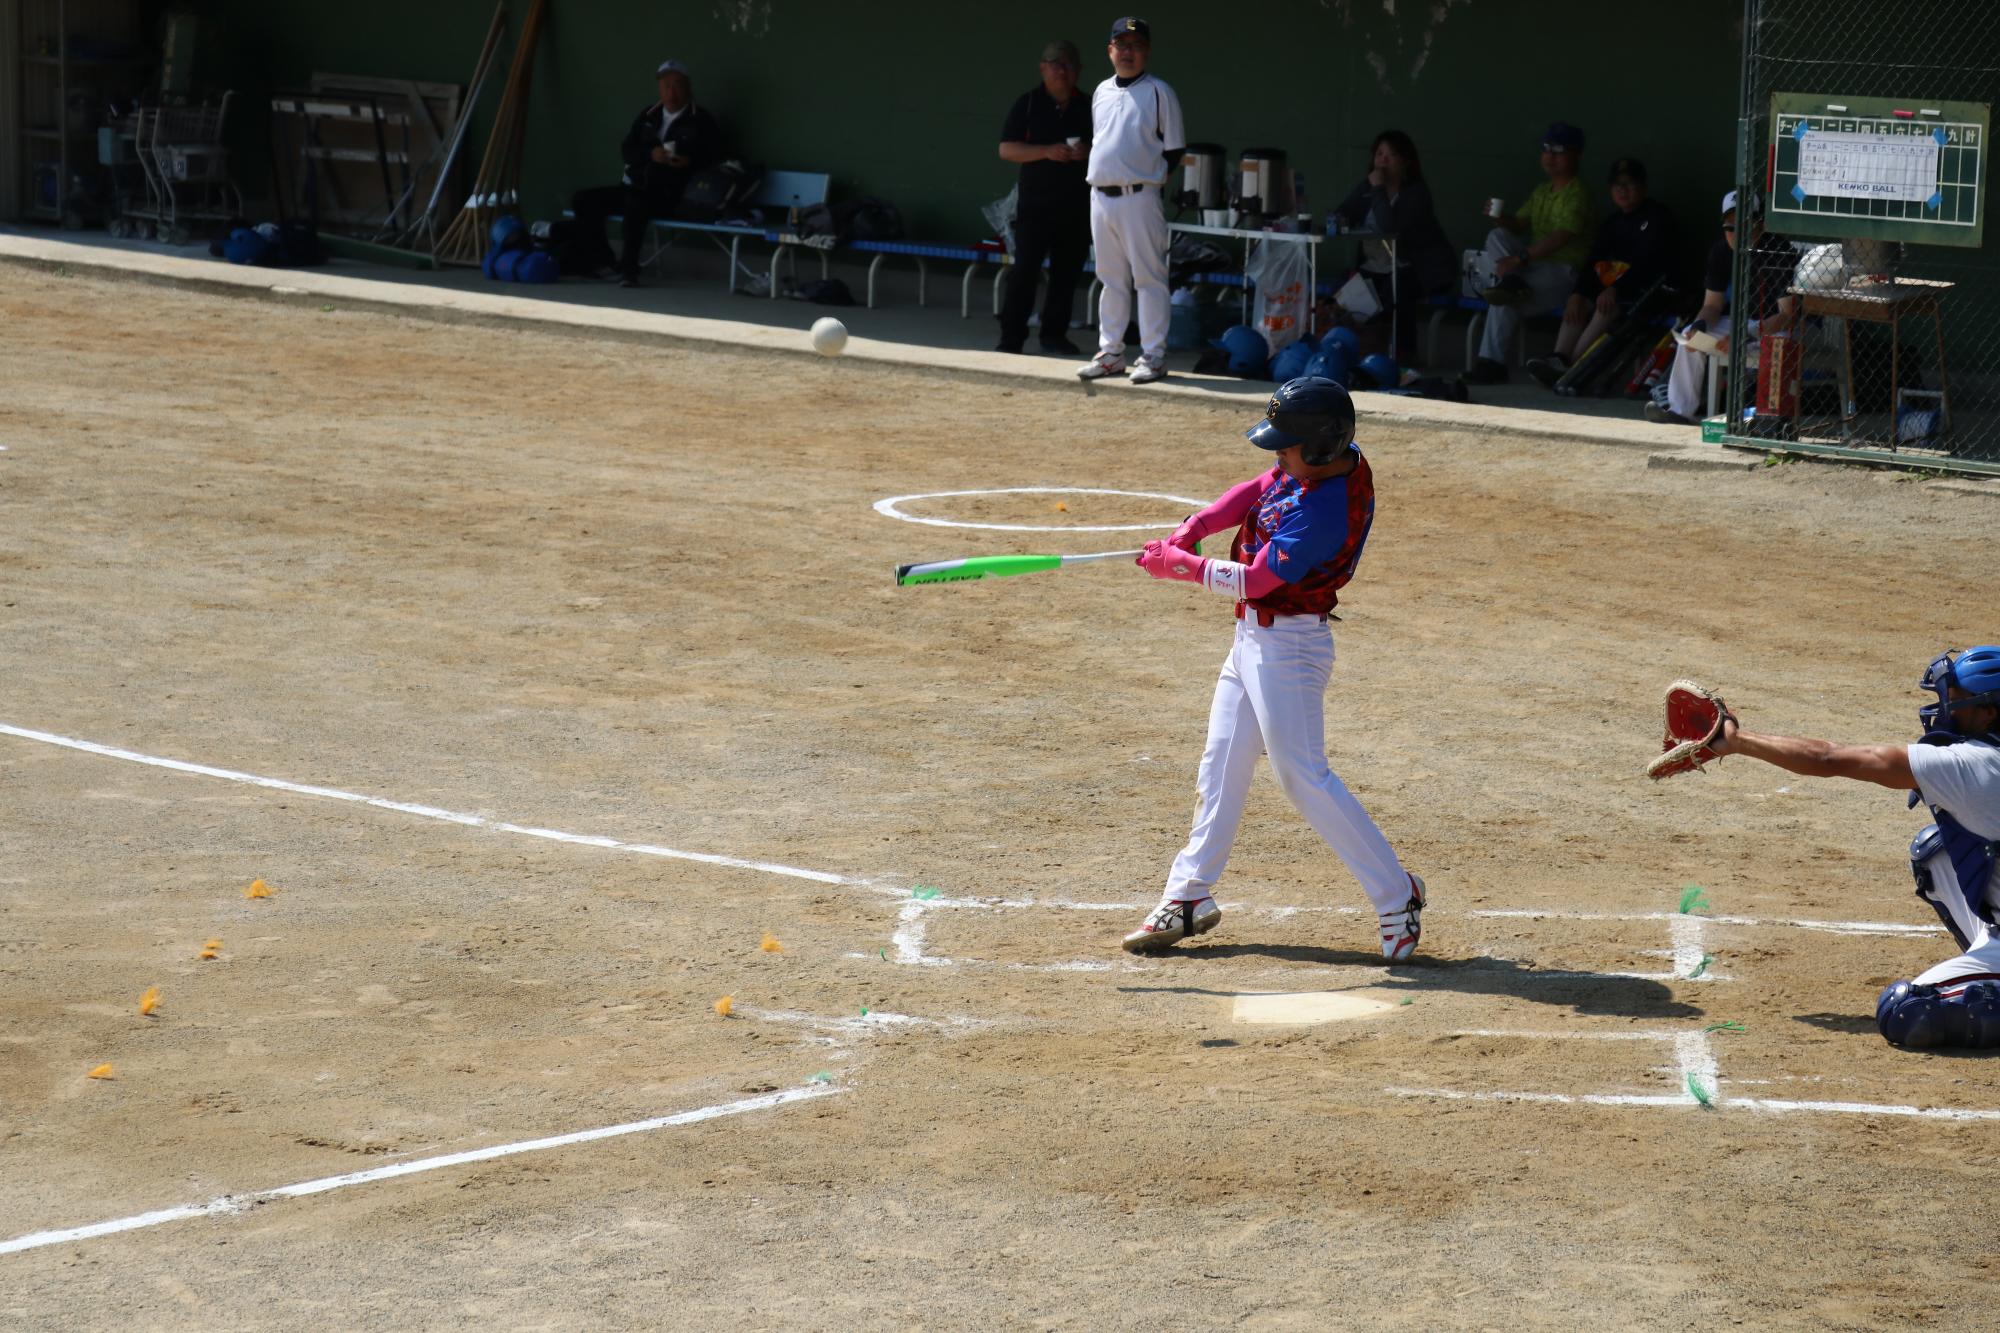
{"type": "Point", "coordinates": [1955, 770]}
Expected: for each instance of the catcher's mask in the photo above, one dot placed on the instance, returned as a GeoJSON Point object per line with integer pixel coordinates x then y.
{"type": "Point", "coordinates": [1311, 412]}
{"type": "Point", "coordinates": [1976, 671]}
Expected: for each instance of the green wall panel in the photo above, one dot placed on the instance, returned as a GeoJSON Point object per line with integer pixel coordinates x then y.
{"type": "Point", "coordinates": [905, 101]}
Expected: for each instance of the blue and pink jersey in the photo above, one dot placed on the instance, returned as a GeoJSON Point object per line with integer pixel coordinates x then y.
{"type": "Point", "coordinates": [1315, 531]}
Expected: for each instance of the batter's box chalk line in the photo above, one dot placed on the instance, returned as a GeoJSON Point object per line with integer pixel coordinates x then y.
{"type": "Point", "coordinates": [1685, 932]}
{"type": "Point", "coordinates": [1696, 1074]}
{"type": "Point", "coordinates": [235, 1204]}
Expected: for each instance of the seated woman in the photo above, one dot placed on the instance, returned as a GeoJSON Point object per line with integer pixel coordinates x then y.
{"type": "Point", "coordinates": [1394, 200]}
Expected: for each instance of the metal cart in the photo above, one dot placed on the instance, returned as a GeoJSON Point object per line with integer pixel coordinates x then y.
{"type": "Point", "coordinates": [186, 169]}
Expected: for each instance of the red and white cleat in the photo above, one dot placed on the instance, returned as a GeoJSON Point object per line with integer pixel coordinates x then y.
{"type": "Point", "coordinates": [1402, 928]}
{"type": "Point", "coordinates": [1171, 922]}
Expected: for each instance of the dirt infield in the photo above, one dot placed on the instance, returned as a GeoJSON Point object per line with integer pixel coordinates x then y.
{"type": "Point", "coordinates": [523, 585]}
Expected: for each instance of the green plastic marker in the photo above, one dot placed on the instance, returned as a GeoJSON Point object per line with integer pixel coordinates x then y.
{"type": "Point", "coordinates": [1699, 1093]}
{"type": "Point", "coordinates": [996, 566]}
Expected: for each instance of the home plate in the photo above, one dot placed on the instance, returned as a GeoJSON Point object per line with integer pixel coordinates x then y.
{"type": "Point", "coordinates": [1312, 1006]}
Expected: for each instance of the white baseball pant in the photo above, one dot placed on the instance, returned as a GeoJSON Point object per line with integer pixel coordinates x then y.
{"type": "Point", "coordinates": [1687, 382]}
{"type": "Point", "coordinates": [1129, 232]}
{"type": "Point", "coordinates": [1982, 958]}
{"type": "Point", "coordinates": [1272, 697]}
{"type": "Point", "coordinates": [1548, 285]}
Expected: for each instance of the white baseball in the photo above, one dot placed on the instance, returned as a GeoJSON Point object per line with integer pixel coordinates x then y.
{"type": "Point", "coordinates": [829, 336]}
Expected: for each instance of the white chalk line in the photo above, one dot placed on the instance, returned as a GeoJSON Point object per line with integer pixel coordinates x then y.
{"type": "Point", "coordinates": [444, 816]}
{"type": "Point", "coordinates": [237, 1203]}
{"type": "Point", "coordinates": [888, 509]}
{"type": "Point", "coordinates": [1836, 927]}
{"type": "Point", "coordinates": [1762, 1104]}
{"type": "Point", "coordinates": [1567, 1036]}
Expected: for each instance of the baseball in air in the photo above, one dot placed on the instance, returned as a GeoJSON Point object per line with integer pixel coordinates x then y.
{"type": "Point", "coordinates": [829, 336]}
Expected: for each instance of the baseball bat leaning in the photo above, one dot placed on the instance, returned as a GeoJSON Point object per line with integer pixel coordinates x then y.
{"type": "Point", "coordinates": [996, 566]}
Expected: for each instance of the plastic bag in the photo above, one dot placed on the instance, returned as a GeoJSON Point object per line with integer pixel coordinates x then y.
{"type": "Point", "coordinates": [1000, 216]}
{"type": "Point", "coordinates": [1279, 269]}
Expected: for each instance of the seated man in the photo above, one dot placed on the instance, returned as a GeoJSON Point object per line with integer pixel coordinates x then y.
{"type": "Point", "coordinates": [669, 141]}
{"type": "Point", "coordinates": [1771, 308]}
{"type": "Point", "coordinates": [1634, 249]}
{"type": "Point", "coordinates": [1558, 222]}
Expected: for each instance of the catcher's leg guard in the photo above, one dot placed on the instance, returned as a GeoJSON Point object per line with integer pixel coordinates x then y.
{"type": "Point", "coordinates": [1936, 873]}
{"type": "Point", "coordinates": [1926, 1018]}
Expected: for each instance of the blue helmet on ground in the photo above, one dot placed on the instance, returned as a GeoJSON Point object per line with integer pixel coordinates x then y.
{"type": "Point", "coordinates": [1249, 354]}
{"type": "Point", "coordinates": [507, 233]}
{"type": "Point", "coordinates": [507, 266]}
{"type": "Point", "coordinates": [1330, 363]}
{"type": "Point", "coordinates": [1290, 362]}
{"type": "Point", "coordinates": [245, 246]}
{"type": "Point", "coordinates": [1975, 671]}
{"type": "Point", "coordinates": [537, 266]}
{"type": "Point", "coordinates": [1380, 368]}
{"type": "Point", "coordinates": [1313, 413]}
{"type": "Point", "coordinates": [1345, 338]}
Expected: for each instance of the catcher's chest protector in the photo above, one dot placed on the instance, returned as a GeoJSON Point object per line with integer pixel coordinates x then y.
{"type": "Point", "coordinates": [1972, 859]}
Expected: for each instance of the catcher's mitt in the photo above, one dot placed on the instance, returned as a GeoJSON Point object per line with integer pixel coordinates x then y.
{"type": "Point", "coordinates": [1695, 715]}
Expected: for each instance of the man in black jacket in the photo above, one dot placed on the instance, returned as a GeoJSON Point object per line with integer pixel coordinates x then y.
{"type": "Point", "coordinates": [1634, 248]}
{"type": "Point", "coordinates": [1048, 133]}
{"type": "Point", "coordinates": [669, 141]}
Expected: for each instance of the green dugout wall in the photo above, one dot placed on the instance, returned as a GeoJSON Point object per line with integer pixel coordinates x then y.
{"type": "Point", "coordinates": [905, 101]}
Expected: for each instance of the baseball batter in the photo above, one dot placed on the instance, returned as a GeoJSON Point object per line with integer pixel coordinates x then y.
{"type": "Point", "coordinates": [1955, 770]}
{"type": "Point", "coordinates": [1135, 138]}
{"type": "Point", "coordinates": [1300, 529]}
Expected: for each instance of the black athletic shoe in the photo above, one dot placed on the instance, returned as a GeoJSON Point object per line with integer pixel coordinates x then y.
{"type": "Point", "coordinates": [1004, 346]}
{"type": "Point", "coordinates": [1486, 372]}
{"type": "Point", "coordinates": [1061, 346]}
{"type": "Point", "coordinates": [629, 278]}
{"type": "Point", "coordinates": [1666, 417]}
{"type": "Point", "coordinates": [1546, 370]}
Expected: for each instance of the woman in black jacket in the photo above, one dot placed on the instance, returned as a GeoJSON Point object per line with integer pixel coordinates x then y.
{"type": "Point", "coordinates": [1393, 199]}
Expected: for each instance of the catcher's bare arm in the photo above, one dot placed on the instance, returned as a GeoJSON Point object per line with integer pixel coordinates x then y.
{"type": "Point", "coordinates": [1885, 765]}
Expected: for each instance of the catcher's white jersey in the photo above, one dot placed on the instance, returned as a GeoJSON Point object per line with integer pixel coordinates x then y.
{"type": "Point", "coordinates": [1963, 778]}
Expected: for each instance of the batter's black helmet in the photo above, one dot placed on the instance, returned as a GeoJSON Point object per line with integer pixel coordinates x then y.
{"type": "Point", "coordinates": [1310, 411]}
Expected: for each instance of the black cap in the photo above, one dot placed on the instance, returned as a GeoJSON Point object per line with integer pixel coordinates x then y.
{"type": "Point", "coordinates": [1130, 27]}
{"type": "Point", "coordinates": [1628, 168]}
{"type": "Point", "coordinates": [1562, 134]}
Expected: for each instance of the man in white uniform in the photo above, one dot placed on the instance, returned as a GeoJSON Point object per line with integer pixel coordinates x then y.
{"type": "Point", "coordinates": [1955, 770]}
{"type": "Point", "coordinates": [1136, 136]}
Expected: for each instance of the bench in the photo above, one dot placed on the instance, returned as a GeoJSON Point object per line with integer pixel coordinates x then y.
{"type": "Point", "coordinates": [777, 190]}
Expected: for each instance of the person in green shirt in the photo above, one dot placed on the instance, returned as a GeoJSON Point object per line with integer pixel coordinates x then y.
{"type": "Point", "coordinates": [1532, 255]}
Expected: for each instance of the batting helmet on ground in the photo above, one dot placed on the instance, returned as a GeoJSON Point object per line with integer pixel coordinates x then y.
{"type": "Point", "coordinates": [1315, 414]}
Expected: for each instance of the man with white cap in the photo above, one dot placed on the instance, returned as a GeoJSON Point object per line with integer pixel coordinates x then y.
{"type": "Point", "coordinates": [1769, 308]}
{"type": "Point", "coordinates": [1136, 137]}
{"type": "Point", "coordinates": [669, 140]}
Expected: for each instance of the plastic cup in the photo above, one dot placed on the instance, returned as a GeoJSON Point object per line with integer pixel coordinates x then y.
{"type": "Point", "coordinates": [1495, 207]}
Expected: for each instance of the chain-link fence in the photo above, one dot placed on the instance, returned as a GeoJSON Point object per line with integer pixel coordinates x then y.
{"type": "Point", "coordinates": [1865, 302]}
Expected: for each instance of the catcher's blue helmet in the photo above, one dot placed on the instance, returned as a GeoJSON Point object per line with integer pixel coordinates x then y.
{"type": "Point", "coordinates": [1976, 671]}
{"type": "Point", "coordinates": [1313, 413]}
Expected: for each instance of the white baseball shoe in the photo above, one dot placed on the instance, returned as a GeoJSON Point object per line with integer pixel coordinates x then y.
{"type": "Point", "coordinates": [1171, 922]}
{"type": "Point", "coordinates": [1147, 370]}
{"type": "Point", "coordinates": [1103, 366]}
{"type": "Point", "coordinates": [1402, 928]}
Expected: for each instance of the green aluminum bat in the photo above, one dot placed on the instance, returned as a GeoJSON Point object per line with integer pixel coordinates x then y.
{"type": "Point", "coordinates": [995, 566]}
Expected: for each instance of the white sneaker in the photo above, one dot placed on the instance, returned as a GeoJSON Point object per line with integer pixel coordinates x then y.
{"type": "Point", "coordinates": [1105, 365]}
{"type": "Point", "coordinates": [1171, 922]}
{"type": "Point", "coordinates": [1147, 370]}
{"type": "Point", "coordinates": [1402, 928]}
